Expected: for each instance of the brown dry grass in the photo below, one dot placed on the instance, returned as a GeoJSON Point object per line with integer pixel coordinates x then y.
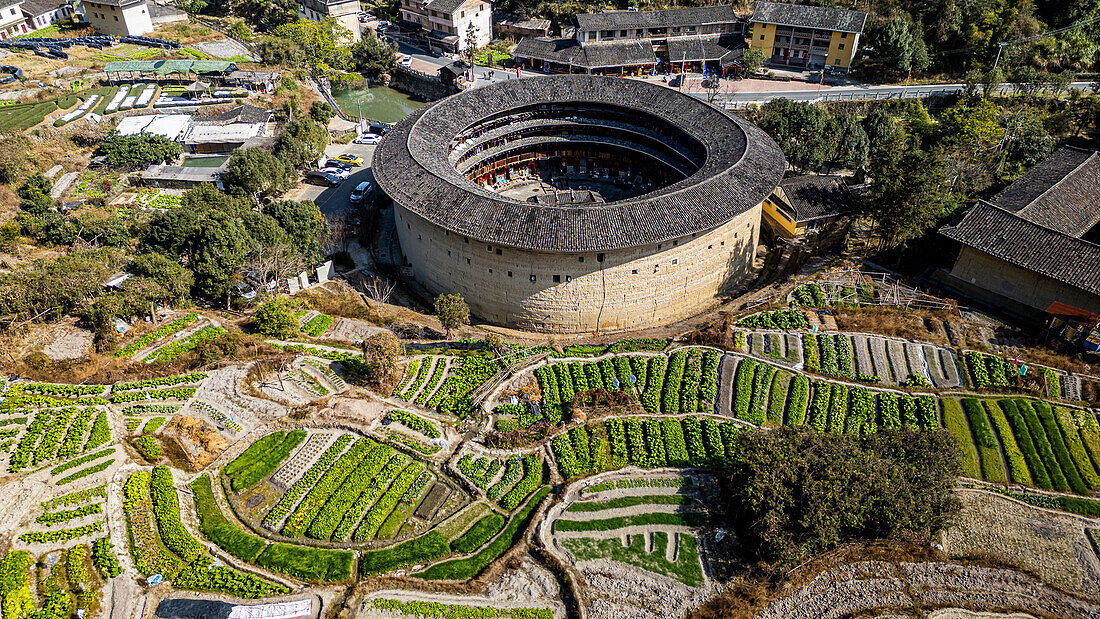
{"type": "Point", "coordinates": [895, 323]}
{"type": "Point", "coordinates": [337, 298]}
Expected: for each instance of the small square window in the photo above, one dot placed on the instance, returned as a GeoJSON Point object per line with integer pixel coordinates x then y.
{"type": "Point", "coordinates": [844, 35]}
{"type": "Point", "coordinates": [723, 243]}
{"type": "Point", "coordinates": [509, 273]}
{"type": "Point", "coordinates": [499, 252]}
{"type": "Point", "coordinates": [711, 246]}
{"type": "Point", "coordinates": [467, 261]}
{"type": "Point", "coordinates": [840, 46]}
{"type": "Point", "coordinates": [489, 248]}
{"type": "Point", "coordinates": [419, 238]}
{"type": "Point", "coordinates": [761, 37]}
{"type": "Point", "coordinates": [466, 240]}
{"type": "Point", "coordinates": [448, 252]}
{"type": "Point", "coordinates": [490, 271]}
{"type": "Point", "coordinates": [675, 261]}
{"type": "Point", "coordinates": [599, 257]}
{"type": "Point", "coordinates": [557, 279]}
{"type": "Point", "coordinates": [568, 278]}
{"type": "Point", "coordinates": [633, 271]}
{"type": "Point", "coordinates": [532, 278]}
{"type": "Point", "coordinates": [409, 226]}
{"type": "Point", "coordinates": [580, 258]}
{"type": "Point", "coordinates": [674, 243]}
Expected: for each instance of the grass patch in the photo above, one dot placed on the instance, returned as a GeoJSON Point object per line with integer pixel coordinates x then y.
{"type": "Point", "coordinates": [218, 529]}
{"type": "Point", "coordinates": [262, 462]}
{"type": "Point", "coordinates": [685, 568]}
{"type": "Point", "coordinates": [610, 524]}
{"type": "Point", "coordinates": [629, 501]}
{"type": "Point", "coordinates": [482, 531]}
{"type": "Point", "coordinates": [464, 569]}
{"type": "Point", "coordinates": [311, 564]}
{"type": "Point", "coordinates": [420, 550]}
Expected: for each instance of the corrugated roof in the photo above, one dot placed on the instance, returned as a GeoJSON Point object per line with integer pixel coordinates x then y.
{"type": "Point", "coordinates": [667, 18]}
{"type": "Point", "coordinates": [804, 16]}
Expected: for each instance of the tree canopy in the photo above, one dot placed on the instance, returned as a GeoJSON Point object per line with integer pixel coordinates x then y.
{"type": "Point", "coordinates": [373, 58]}
{"type": "Point", "coordinates": [452, 311]}
{"type": "Point", "coordinates": [140, 150]}
{"type": "Point", "coordinates": [256, 172]}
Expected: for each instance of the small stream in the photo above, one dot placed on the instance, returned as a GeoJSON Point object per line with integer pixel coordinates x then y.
{"type": "Point", "coordinates": [379, 103]}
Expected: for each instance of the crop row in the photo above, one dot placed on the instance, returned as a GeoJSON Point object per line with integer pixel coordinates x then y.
{"type": "Point", "coordinates": [171, 393]}
{"type": "Point", "coordinates": [147, 339]}
{"type": "Point", "coordinates": [320, 493]}
{"type": "Point", "coordinates": [262, 458]}
{"type": "Point", "coordinates": [513, 470]}
{"type": "Point", "coordinates": [52, 518]}
{"type": "Point", "coordinates": [166, 510]}
{"type": "Point", "coordinates": [418, 608]}
{"type": "Point", "coordinates": [76, 498]}
{"type": "Point", "coordinates": [786, 320]}
{"type": "Point", "coordinates": [104, 559]}
{"type": "Point", "coordinates": [411, 371]}
{"type": "Point", "coordinates": [414, 422]}
{"type": "Point", "coordinates": [454, 396]}
{"type": "Point", "coordinates": [377, 514]}
{"type": "Point", "coordinates": [317, 325]}
{"type": "Point", "coordinates": [169, 381]}
{"type": "Point", "coordinates": [481, 471]}
{"type": "Point", "coordinates": [282, 509]}
{"type": "Point", "coordinates": [150, 409]}
{"type": "Point", "coordinates": [62, 535]}
{"type": "Point", "coordinates": [60, 389]}
{"type": "Point", "coordinates": [172, 350]}
{"type": "Point", "coordinates": [148, 447]}
{"type": "Point", "coordinates": [532, 479]}
{"type": "Point", "coordinates": [217, 415]}
{"type": "Point", "coordinates": [433, 382]}
{"type": "Point", "coordinates": [369, 493]}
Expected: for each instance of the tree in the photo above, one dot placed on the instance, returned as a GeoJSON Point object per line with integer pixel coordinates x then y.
{"type": "Point", "coordinates": [133, 151]}
{"type": "Point", "coordinates": [34, 194]}
{"type": "Point", "coordinates": [973, 128]}
{"type": "Point", "coordinates": [471, 39]}
{"type": "Point", "coordinates": [879, 127]}
{"type": "Point", "coordinates": [218, 246]}
{"type": "Point", "coordinates": [1026, 142]}
{"type": "Point", "coordinates": [804, 132]}
{"type": "Point", "coordinates": [851, 146]}
{"type": "Point", "coordinates": [831, 489]}
{"type": "Point", "coordinates": [908, 191]}
{"type": "Point", "coordinates": [303, 223]}
{"type": "Point", "coordinates": [372, 57]}
{"type": "Point", "coordinates": [175, 280]}
{"type": "Point", "coordinates": [452, 311]}
{"type": "Point", "coordinates": [256, 172]}
{"type": "Point", "coordinates": [381, 352]}
{"type": "Point", "coordinates": [899, 48]}
{"type": "Point", "coordinates": [321, 43]}
{"type": "Point", "coordinates": [275, 318]}
{"type": "Point", "coordinates": [303, 140]}
{"type": "Point", "coordinates": [751, 60]}
{"type": "Point", "coordinates": [321, 112]}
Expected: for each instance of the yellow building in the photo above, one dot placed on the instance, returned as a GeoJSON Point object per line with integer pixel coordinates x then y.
{"type": "Point", "coordinates": [796, 35]}
{"type": "Point", "coordinates": [811, 203]}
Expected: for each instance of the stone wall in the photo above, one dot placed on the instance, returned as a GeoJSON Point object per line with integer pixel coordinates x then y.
{"type": "Point", "coordinates": [1026, 287]}
{"type": "Point", "coordinates": [598, 291]}
{"type": "Point", "coordinates": [417, 84]}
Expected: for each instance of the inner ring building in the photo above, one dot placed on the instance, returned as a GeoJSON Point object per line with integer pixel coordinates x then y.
{"type": "Point", "coordinates": [578, 203]}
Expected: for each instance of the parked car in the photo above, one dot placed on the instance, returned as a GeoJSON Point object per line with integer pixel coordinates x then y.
{"type": "Point", "coordinates": [339, 173]}
{"type": "Point", "coordinates": [379, 129]}
{"type": "Point", "coordinates": [361, 191]}
{"type": "Point", "coordinates": [317, 177]}
{"type": "Point", "coordinates": [406, 61]}
{"type": "Point", "coordinates": [336, 163]}
{"type": "Point", "coordinates": [355, 160]}
{"type": "Point", "coordinates": [367, 138]}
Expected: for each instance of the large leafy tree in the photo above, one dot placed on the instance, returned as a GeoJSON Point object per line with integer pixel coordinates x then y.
{"type": "Point", "coordinates": [303, 223]}
{"type": "Point", "coordinates": [798, 493]}
{"type": "Point", "coordinates": [303, 140]}
{"type": "Point", "coordinates": [322, 44]}
{"type": "Point", "coordinates": [372, 57]}
{"type": "Point", "coordinates": [452, 311]}
{"type": "Point", "coordinates": [908, 191]}
{"type": "Point", "coordinates": [256, 172]}
{"type": "Point", "coordinates": [805, 133]}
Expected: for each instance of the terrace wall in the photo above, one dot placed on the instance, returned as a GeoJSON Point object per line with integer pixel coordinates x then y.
{"type": "Point", "coordinates": [632, 288]}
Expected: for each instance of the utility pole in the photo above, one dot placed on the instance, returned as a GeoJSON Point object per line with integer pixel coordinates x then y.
{"type": "Point", "coordinates": [996, 61]}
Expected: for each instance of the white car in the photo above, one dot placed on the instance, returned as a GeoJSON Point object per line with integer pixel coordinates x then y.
{"type": "Point", "coordinates": [367, 138]}
{"type": "Point", "coordinates": [339, 173]}
{"type": "Point", "coordinates": [406, 61]}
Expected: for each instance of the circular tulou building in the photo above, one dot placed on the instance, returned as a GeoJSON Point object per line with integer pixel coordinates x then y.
{"type": "Point", "coordinates": [578, 203]}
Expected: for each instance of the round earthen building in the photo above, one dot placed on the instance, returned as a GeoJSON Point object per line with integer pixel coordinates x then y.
{"type": "Point", "coordinates": [578, 203]}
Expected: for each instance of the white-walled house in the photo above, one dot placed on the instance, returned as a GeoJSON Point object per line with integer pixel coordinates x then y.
{"type": "Point", "coordinates": [447, 23]}
{"type": "Point", "coordinates": [119, 17]}
{"type": "Point", "coordinates": [12, 21]}
{"type": "Point", "coordinates": [45, 13]}
{"type": "Point", "coordinates": [345, 12]}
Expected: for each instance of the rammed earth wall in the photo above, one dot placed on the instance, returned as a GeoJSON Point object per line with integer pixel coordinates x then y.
{"type": "Point", "coordinates": [631, 288]}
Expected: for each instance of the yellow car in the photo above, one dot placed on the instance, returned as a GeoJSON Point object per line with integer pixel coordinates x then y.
{"type": "Point", "coordinates": [350, 159]}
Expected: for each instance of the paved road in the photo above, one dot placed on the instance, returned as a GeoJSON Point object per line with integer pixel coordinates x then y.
{"type": "Point", "coordinates": [335, 200]}
{"type": "Point", "coordinates": [847, 93]}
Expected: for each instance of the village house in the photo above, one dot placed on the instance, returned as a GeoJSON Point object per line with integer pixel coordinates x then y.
{"type": "Point", "coordinates": [448, 24]}
{"type": "Point", "coordinates": [808, 204]}
{"type": "Point", "coordinates": [345, 12]}
{"type": "Point", "coordinates": [638, 42]}
{"type": "Point", "coordinates": [12, 21]}
{"type": "Point", "coordinates": [119, 17]}
{"type": "Point", "coordinates": [801, 36]}
{"type": "Point", "coordinates": [1036, 244]}
{"type": "Point", "coordinates": [45, 13]}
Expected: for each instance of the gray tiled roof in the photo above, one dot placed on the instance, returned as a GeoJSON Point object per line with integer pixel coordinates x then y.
{"type": "Point", "coordinates": [726, 47]}
{"type": "Point", "coordinates": [668, 18]}
{"type": "Point", "coordinates": [35, 8]}
{"type": "Point", "coordinates": [742, 167]}
{"type": "Point", "coordinates": [1028, 245]}
{"type": "Point", "coordinates": [588, 56]}
{"type": "Point", "coordinates": [813, 196]}
{"type": "Point", "coordinates": [1061, 193]}
{"type": "Point", "coordinates": [804, 16]}
{"type": "Point", "coordinates": [6, 3]}
{"type": "Point", "coordinates": [445, 6]}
